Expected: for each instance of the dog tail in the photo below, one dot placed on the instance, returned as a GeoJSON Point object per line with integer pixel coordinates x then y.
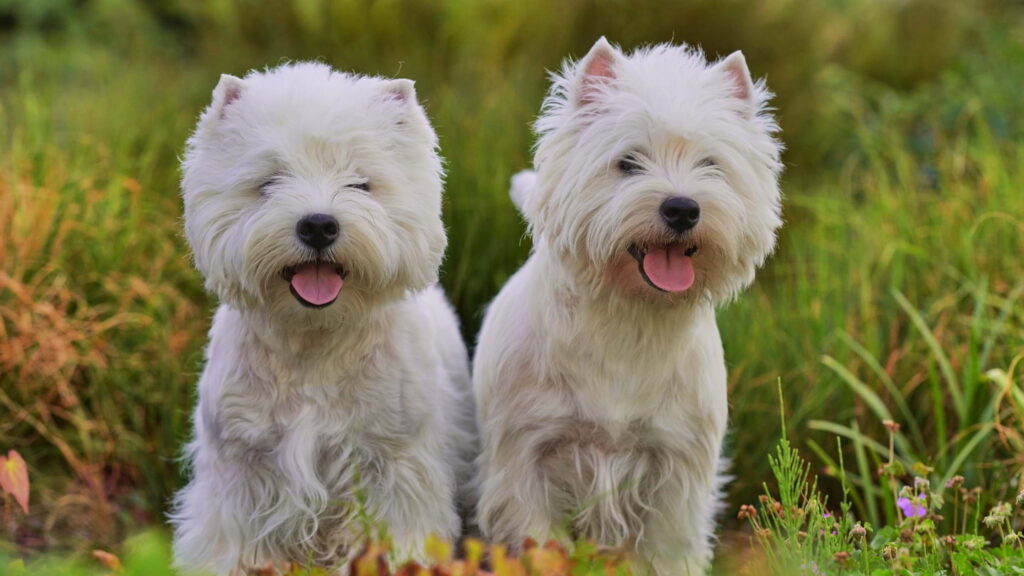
{"type": "Point", "coordinates": [522, 185]}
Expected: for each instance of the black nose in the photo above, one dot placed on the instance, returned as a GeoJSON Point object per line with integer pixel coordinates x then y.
{"type": "Point", "coordinates": [680, 213]}
{"type": "Point", "coordinates": [318, 230]}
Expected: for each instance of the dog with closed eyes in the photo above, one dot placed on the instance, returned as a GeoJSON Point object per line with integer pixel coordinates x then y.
{"type": "Point", "coordinates": [336, 385]}
{"type": "Point", "coordinates": [599, 374]}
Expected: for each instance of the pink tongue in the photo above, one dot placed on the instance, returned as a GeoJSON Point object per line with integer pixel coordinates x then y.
{"type": "Point", "coordinates": [669, 268]}
{"type": "Point", "coordinates": [317, 283]}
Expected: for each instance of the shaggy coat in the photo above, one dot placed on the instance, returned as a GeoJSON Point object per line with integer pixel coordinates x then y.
{"type": "Point", "coordinates": [318, 425]}
{"type": "Point", "coordinates": [601, 397]}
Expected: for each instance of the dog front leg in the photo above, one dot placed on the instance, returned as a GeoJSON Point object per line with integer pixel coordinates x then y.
{"type": "Point", "coordinates": [679, 533]}
{"type": "Point", "coordinates": [213, 527]}
{"type": "Point", "coordinates": [416, 499]}
{"type": "Point", "coordinates": [513, 505]}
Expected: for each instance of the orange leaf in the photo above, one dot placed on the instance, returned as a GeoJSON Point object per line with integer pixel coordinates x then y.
{"type": "Point", "coordinates": [547, 561]}
{"type": "Point", "coordinates": [109, 561]}
{"type": "Point", "coordinates": [14, 478]}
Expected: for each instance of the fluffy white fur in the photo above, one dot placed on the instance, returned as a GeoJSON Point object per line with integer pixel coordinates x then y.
{"type": "Point", "coordinates": [601, 400]}
{"type": "Point", "coordinates": [308, 418]}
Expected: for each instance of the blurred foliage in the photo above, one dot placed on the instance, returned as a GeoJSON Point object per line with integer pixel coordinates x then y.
{"type": "Point", "coordinates": [899, 264]}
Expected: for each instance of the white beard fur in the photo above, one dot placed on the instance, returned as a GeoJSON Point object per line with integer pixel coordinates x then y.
{"type": "Point", "coordinates": [311, 421]}
{"type": "Point", "coordinates": [601, 402]}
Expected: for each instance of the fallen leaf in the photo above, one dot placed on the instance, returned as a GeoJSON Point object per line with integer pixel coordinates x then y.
{"type": "Point", "coordinates": [109, 561]}
{"type": "Point", "coordinates": [14, 478]}
{"type": "Point", "coordinates": [438, 550]}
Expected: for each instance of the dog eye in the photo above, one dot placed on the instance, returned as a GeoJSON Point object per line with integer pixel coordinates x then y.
{"type": "Point", "coordinates": [708, 162]}
{"type": "Point", "coordinates": [364, 186]}
{"type": "Point", "coordinates": [629, 165]}
{"type": "Point", "coordinates": [264, 188]}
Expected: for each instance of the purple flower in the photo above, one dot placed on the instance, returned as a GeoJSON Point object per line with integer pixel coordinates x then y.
{"type": "Point", "coordinates": [812, 569]}
{"type": "Point", "coordinates": [912, 508]}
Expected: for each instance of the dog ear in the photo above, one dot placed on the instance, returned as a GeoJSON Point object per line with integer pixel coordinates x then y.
{"type": "Point", "coordinates": [595, 71]}
{"type": "Point", "coordinates": [400, 90]}
{"type": "Point", "coordinates": [228, 90]}
{"type": "Point", "coordinates": [735, 68]}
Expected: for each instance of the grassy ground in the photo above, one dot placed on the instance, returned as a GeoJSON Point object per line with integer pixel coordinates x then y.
{"type": "Point", "coordinates": [895, 294]}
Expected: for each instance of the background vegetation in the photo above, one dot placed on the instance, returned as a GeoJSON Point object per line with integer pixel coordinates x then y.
{"type": "Point", "coordinates": [895, 293]}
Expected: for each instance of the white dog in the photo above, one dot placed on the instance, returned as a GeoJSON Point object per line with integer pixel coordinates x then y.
{"type": "Point", "coordinates": [599, 374]}
{"type": "Point", "coordinates": [336, 387]}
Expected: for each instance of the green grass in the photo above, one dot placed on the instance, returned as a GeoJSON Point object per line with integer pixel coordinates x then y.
{"type": "Point", "coordinates": [896, 292]}
{"type": "Point", "coordinates": [894, 300]}
{"type": "Point", "coordinates": [801, 532]}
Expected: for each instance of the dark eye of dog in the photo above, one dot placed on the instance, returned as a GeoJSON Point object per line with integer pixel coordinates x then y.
{"type": "Point", "coordinates": [629, 165]}
{"type": "Point", "coordinates": [364, 186]}
{"type": "Point", "coordinates": [707, 163]}
{"type": "Point", "coordinates": [264, 188]}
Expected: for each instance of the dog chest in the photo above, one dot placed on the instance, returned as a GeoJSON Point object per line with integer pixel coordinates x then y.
{"type": "Point", "coordinates": [605, 480]}
{"type": "Point", "coordinates": [316, 435]}
{"type": "Point", "coordinates": [608, 478]}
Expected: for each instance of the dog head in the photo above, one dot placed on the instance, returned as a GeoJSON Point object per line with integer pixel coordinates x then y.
{"type": "Point", "coordinates": [308, 191]}
{"type": "Point", "coordinates": [657, 173]}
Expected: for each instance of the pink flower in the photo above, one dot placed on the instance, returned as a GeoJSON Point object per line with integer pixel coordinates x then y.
{"type": "Point", "coordinates": [912, 508]}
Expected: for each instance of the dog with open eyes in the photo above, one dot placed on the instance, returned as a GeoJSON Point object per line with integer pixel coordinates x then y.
{"type": "Point", "coordinates": [336, 385]}
{"type": "Point", "coordinates": [599, 374]}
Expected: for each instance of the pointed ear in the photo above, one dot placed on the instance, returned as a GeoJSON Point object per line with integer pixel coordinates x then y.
{"type": "Point", "coordinates": [401, 90]}
{"type": "Point", "coordinates": [596, 69]}
{"type": "Point", "coordinates": [228, 90]}
{"type": "Point", "coordinates": [735, 68]}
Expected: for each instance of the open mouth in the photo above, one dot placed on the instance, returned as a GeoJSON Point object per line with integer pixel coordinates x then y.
{"type": "Point", "coordinates": [315, 284]}
{"type": "Point", "coordinates": [666, 267]}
